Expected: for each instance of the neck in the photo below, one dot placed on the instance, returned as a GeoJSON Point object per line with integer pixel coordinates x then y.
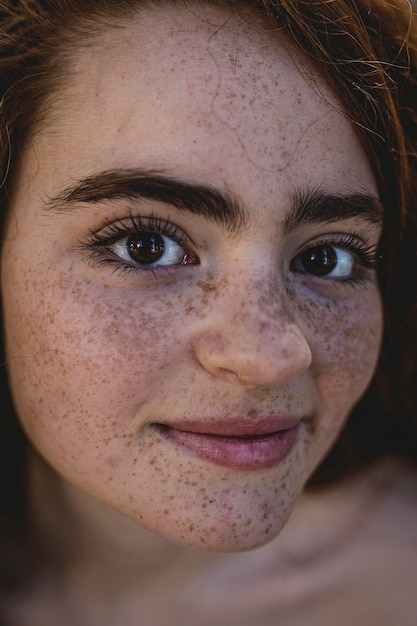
{"type": "Point", "coordinates": [83, 533]}
{"type": "Point", "coordinates": [108, 569]}
{"type": "Point", "coordinates": [86, 536]}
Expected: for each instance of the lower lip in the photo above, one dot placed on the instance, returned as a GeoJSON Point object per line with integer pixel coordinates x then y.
{"type": "Point", "coordinates": [239, 453]}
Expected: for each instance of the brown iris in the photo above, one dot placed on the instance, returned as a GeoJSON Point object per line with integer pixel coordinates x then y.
{"type": "Point", "coordinates": [146, 248]}
{"type": "Point", "coordinates": [320, 260]}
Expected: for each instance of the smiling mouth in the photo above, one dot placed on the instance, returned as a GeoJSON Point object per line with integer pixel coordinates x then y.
{"type": "Point", "coordinates": [250, 447]}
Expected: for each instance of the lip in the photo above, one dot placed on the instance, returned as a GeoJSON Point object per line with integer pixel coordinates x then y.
{"type": "Point", "coordinates": [240, 444]}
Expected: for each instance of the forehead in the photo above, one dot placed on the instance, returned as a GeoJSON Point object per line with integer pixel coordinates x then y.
{"type": "Point", "coordinates": [174, 84]}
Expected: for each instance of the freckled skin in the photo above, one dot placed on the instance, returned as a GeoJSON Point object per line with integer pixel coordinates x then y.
{"type": "Point", "coordinates": [95, 357]}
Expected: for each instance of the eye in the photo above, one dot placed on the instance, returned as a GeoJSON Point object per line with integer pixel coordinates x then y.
{"type": "Point", "coordinates": [327, 261]}
{"type": "Point", "coordinates": [140, 243]}
{"type": "Point", "coordinates": [148, 248]}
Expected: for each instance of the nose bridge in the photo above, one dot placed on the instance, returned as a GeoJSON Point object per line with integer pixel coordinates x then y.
{"type": "Point", "coordinates": [258, 309]}
{"type": "Point", "coordinates": [253, 334]}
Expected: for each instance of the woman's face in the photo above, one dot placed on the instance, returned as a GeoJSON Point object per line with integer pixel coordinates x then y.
{"type": "Point", "coordinates": [191, 307]}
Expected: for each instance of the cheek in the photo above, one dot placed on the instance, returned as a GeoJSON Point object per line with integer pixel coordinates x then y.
{"type": "Point", "coordinates": [346, 340]}
{"type": "Point", "coordinates": [81, 360]}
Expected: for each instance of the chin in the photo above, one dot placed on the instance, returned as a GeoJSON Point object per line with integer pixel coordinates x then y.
{"type": "Point", "coordinates": [234, 533]}
{"type": "Point", "coordinates": [233, 540]}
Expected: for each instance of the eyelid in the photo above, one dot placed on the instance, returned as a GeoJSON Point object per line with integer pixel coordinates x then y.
{"type": "Point", "coordinates": [365, 255]}
{"type": "Point", "coordinates": [99, 242]}
{"type": "Point", "coordinates": [350, 241]}
{"type": "Point", "coordinates": [133, 223]}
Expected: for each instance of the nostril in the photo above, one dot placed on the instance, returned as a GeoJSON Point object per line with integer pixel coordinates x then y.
{"type": "Point", "coordinates": [228, 374]}
{"type": "Point", "coordinates": [258, 353]}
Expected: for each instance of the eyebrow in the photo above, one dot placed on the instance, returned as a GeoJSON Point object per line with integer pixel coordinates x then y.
{"type": "Point", "coordinates": [218, 206]}
{"type": "Point", "coordinates": [308, 206]}
{"type": "Point", "coordinates": [311, 206]}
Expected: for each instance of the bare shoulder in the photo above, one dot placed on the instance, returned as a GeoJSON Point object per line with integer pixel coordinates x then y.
{"type": "Point", "coordinates": [390, 532]}
{"type": "Point", "coordinates": [361, 558]}
{"type": "Point", "coordinates": [390, 494]}
{"type": "Point", "coordinates": [380, 561]}
{"type": "Point", "coordinates": [347, 556]}
{"type": "Point", "coordinates": [396, 484]}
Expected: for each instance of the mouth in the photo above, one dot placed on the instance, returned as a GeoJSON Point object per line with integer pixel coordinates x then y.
{"type": "Point", "coordinates": [235, 444]}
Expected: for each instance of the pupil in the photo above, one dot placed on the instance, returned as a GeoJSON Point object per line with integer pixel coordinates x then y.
{"type": "Point", "coordinates": [320, 260]}
{"type": "Point", "coordinates": [146, 248]}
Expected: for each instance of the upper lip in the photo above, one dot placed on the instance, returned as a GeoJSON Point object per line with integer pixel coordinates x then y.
{"type": "Point", "coordinates": [235, 426]}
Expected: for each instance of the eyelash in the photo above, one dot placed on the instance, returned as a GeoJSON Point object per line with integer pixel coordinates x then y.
{"type": "Point", "coordinates": [367, 256]}
{"type": "Point", "coordinates": [99, 242]}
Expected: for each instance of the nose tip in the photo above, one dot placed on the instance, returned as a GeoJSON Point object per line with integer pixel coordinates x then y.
{"type": "Point", "coordinates": [263, 355]}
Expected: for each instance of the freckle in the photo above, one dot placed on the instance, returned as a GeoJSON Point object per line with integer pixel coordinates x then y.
{"type": "Point", "coordinates": [206, 287]}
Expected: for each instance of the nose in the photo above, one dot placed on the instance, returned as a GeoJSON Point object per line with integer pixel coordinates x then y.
{"type": "Point", "coordinates": [252, 342]}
